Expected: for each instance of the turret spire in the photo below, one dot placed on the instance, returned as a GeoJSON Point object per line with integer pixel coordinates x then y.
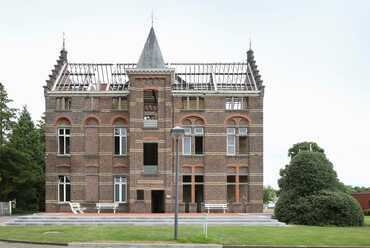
{"type": "Point", "coordinates": [151, 56]}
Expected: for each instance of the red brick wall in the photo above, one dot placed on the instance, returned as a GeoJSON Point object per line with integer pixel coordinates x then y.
{"type": "Point", "coordinates": [363, 199]}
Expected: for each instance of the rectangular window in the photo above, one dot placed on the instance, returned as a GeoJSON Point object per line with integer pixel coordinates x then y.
{"type": "Point", "coordinates": [64, 136]}
{"type": "Point", "coordinates": [235, 103]}
{"type": "Point", "coordinates": [91, 103]}
{"type": "Point", "coordinates": [186, 142]}
{"type": "Point", "coordinates": [140, 195]}
{"type": "Point", "coordinates": [64, 189]}
{"type": "Point", "coordinates": [119, 103]}
{"type": "Point", "coordinates": [242, 145]}
{"type": "Point", "coordinates": [231, 184]}
{"type": "Point", "coordinates": [187, 145]}
{"type": "Point", "coordinates": [198, 140]}
{"type": "Point", "coordinates": [230, 132]}
{"type": "Point", "coordinates": [193, 103]}
{"type": "Point", "coordinates": [120, 141]}
{"type": "Point", "coordinates": [150, 158]}
{"type": "Point", "coordinates": [120, 189]}
{"type": "Point", "coordinates": [63, 103]}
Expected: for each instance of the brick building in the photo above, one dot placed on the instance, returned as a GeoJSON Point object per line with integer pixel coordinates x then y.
{"type": "Point", "coordinates": [363, 198]}
{"type": "Point", "coordinates": [108, 133]}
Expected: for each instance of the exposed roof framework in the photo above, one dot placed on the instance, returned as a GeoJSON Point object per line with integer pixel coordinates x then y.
{"type": "Point", "coordinates": [188, 77]}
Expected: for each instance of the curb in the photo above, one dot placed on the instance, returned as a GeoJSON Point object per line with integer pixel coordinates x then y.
{"type": "Point", "coordinates": [146, 245]}
{"type": "Point", "coordinates": [33, 242]}
{"type": "Point", "coordinates": [294, 246]}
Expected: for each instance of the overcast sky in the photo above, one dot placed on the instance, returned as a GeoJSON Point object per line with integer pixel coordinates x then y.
{"type": "Point", "coordinates": [314, 57]}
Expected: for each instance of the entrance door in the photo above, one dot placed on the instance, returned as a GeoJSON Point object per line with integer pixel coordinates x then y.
{"type": "Point", "coordinates": [158, 201]}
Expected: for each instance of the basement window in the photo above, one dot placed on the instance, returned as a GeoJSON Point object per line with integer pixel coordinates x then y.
{"type": "Point", "coordinates": [140, 195]}
{"type": "Point", "coordinates": [150, 158]}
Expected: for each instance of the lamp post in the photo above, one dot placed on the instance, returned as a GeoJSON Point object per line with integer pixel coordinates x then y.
{"type": "Point", "coordinates": [177, 132]}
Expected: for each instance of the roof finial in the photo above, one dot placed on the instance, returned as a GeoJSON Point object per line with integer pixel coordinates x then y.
{"type": "Point", "coordinates": [64, 42]}
{"type": "Point", "coordinates": [250, 42]}
{"type": "Point", "coordinates": [152, 18]}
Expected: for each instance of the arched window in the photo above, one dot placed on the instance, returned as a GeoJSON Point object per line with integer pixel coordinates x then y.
{"type": "Point", "coordinates": [64, 136]}
{"type": "Point", "coordinates": [91, 136]}
{"type": "Point", "coordinates": [193, 140]}
{"type": "Point", "coordinates": [120, 137]}
{"type": "Point", "coordinates": [236, 136]}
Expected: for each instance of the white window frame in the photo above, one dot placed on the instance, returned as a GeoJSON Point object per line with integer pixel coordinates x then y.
{"type": "Point", "coordinates": [244, 132]}
{"type": "Point", "coordinates": [122, 134]}
{"type": "Point", "coordinates": [230, 132]}
{"type": "Point", "coordinates": [64, 183]}
{"type": "Point", "coordinates": [65, 137]}
{"type": "Point", "coordinates": [189, 133]}
{"type": "Point", "coordinates": [235, 103]}
{"type": "Point", "coordinates": [122, 181]}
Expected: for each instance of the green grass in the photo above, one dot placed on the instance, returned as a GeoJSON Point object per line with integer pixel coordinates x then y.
{"type": "Point", "coordinates": [289, 235]}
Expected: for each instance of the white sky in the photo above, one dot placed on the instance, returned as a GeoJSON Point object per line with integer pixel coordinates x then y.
{"type": "Point", "coordinates": [314, 57]}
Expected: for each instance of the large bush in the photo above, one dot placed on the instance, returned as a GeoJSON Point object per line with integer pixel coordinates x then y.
{"type": "Point", "coordinates": [310, 192]}
{"type": "Point", "coordinates": [307, 173]}
{"type": "Point", "coordinates": [324, 208]}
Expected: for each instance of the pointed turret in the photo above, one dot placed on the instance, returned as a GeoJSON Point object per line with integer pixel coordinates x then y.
{"type": "Point", "coordinates": [57, 67]}
{"type": "Point", "coordinates": [151, 56]}
{"type": "Point", "coordinates": [252, 62]}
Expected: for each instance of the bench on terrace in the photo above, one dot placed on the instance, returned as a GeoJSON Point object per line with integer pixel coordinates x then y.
{"type": "Point", "coordinates": [212, 206]}
{"type": "Point", "coordinates": [76, 208]}
{"type": "Point", "coordinates": [103, 205]}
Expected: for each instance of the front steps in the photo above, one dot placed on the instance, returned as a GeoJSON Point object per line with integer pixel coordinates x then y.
{"type": "Point", "coordinates": [148, 219]}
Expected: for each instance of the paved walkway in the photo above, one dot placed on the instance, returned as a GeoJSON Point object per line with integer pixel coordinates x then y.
{"type": "Point", "coordinates": [126, 245]}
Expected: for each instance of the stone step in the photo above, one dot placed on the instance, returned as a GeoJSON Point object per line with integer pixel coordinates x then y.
{"type": "Point", "coordinates": [144, 223]}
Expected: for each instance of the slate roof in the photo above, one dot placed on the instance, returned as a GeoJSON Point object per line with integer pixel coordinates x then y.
{"type": "Point", "coordinates": [151, 56]}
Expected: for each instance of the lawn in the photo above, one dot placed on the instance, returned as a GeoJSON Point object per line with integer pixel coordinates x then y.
{"type": "Point", "coordinates": [249, 235]}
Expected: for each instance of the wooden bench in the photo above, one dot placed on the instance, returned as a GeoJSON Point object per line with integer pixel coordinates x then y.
{"type": "Point", "coordinates": [211, 206]}
{"type": "Point", "coordinates": [100, 206]}
{"type": "Point", "coordinates": [76, 208]}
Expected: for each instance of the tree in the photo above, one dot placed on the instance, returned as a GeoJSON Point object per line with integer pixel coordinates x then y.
{"type": "Point", "coordinates": [307, 173]}
{"type": "Point", "coordinates": [310, 192]}
{"type": "Point", "coordinates": [304, 146]}
{"type": "Point", "coordinates": [7, 115]}
{"type": "Point", "coordinates": [269, 195]}
{"type": "Point", "coordinates": [28, 139]}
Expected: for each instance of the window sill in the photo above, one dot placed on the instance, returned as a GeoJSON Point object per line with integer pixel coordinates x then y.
{"type": "Point", "coordinates": [63, 110]}
{"type": "Point", "coordinates": [236, 110]}
{"type": "Point", "coordinates": [236, 155]}
{"type": "Point", "coordinates": [118, 110]}
{"type": "Point", "coordinates": [193, 155]}
{"type": "Point", "coordinates": [64, 155]}
{"type": "Point", "coordinates": [192, 110]}
{"type": "Point", "coordinates": [120, 156]}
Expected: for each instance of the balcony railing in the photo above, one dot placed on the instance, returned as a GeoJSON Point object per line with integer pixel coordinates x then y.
{"type": "Point", "coordinates": [150, 169]}
{"type": "Point", "coordinates": [150, 123]}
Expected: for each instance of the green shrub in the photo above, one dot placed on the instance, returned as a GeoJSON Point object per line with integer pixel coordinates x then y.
{"type": "Point", "coordinates": [367, 212]}
{"type": "Point", "coordinates": [322, 208]}
{"type": "Point", "coordinates": [308, 173]}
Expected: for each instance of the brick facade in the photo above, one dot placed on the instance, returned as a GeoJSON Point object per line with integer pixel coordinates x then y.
{"type": "Point", "coordinates": [91, 164]}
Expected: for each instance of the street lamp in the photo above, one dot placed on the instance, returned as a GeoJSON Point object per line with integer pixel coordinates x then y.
{"type": "Point", "coordinates": [177, 132]}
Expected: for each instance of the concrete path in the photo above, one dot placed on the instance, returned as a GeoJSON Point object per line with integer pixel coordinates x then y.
{"type": "Point", "coordinates": [120, 245]}
{"type": "Point", "coordinates": [144, 219]}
